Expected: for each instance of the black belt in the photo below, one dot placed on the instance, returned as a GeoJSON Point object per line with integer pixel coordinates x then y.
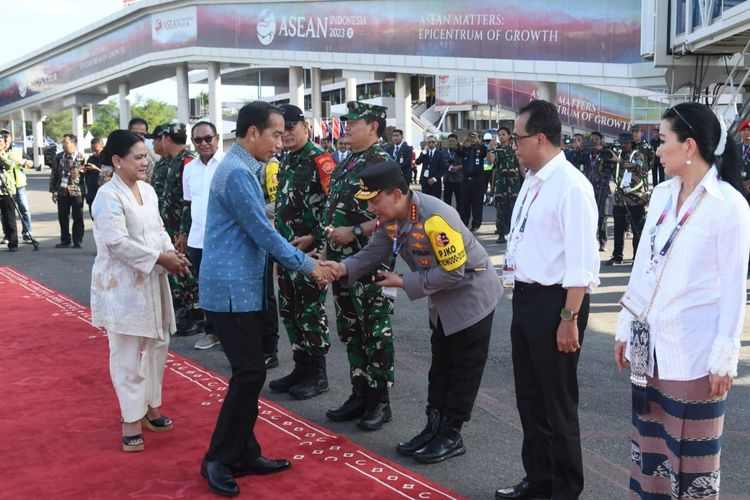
{"type": "Point", "coordinates": [521, 287]}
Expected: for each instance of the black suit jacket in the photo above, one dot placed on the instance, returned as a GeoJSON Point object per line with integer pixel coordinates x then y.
{"type": "Point", "coordinates": [403, 158]}
{"type": "Point", "coordinates": [436, 166]}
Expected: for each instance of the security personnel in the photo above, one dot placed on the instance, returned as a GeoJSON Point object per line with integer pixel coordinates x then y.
{"type": "Point", "coordinates": [630, 197]}
{"type": "Point", "coordinates": [177, 220]}
{"type": "Point", "coordinates": [643, 147]}
{"type": "Point", "coordinates": [363, 312]}
{"type": "Point", "coordinates": [506, 184]}
{"type": "Point", "coordinates": [300, 200]}
{"type": "Point", "coordinates": [454, 272]}
{"type": "Point", "coordinates": [473, 186]}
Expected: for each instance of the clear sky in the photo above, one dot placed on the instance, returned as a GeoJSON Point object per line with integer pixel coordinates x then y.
{"type": "Point", "coordinates": [28, 25]}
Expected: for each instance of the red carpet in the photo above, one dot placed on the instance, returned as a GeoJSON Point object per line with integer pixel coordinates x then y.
{"type": "Point", "coordinates": [60, 422]}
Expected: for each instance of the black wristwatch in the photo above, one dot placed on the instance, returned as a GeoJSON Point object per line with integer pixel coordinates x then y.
{"type": "Point", "coordinates": [357, 230]}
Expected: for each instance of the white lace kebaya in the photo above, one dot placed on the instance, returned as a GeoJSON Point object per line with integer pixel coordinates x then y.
{"type": "Point", "coordinates": [698, 313]}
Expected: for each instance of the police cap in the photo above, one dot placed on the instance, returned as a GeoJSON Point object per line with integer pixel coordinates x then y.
{"type": "Point", "coordinates": [377, 177]}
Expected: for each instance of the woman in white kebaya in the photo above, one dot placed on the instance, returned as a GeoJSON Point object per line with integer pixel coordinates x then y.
{"type": "Point", "coordinates": [684, 308]}
{"type": "Point", "coordinates": [130, 295]}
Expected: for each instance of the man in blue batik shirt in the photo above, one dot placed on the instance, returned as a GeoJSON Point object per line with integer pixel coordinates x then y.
{"type": "Point", "coordinates": [237, 238]}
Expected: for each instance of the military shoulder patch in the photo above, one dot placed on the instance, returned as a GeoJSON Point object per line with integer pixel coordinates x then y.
{"type": "Point", "coordinates": [446, 242]}
{"type": "Point", "coordinates": [325, 165]}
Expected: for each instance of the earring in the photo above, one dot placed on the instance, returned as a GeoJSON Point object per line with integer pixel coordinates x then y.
{"type": "Point", "coordinates": [688, 162]}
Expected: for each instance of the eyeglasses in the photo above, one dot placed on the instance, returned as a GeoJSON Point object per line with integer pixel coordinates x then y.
{"type": "Point", "coordinates": [682, 118]}
{"type": "Point", "coordinates": [515, 137]}
{"type": "Point", "coordinates": [199, 140]}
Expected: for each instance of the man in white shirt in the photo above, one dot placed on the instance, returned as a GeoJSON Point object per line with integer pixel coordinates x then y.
{"type": "Point", "coordinates": [196, 181]}
{"type": "Point", "coordinates": [552, 261]}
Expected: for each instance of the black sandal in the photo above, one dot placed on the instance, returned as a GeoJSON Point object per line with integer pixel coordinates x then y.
{"type": "Point", "coordinates": [161, 424]}
{"type": "Point", "coordinates": [133, 443]}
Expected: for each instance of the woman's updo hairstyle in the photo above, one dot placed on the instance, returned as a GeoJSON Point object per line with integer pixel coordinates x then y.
{"type": "Point", "coordinates": [697, 121]}
{"type": "Point", "coordinates": [119, 143]}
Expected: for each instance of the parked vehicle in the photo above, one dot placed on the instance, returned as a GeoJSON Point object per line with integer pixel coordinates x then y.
{"type": "Point", "coordinates": [50, 148]}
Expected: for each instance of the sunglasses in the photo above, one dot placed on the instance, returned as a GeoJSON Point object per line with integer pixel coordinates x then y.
{"type": "Point", "coordinates": [199, 140]}
{"type": "Point", "coordinates": [682, 118]}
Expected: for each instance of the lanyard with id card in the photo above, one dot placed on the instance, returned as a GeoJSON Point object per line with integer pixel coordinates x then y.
{"type": "Point", "coordinates": [398, 239]}
{"type": "Point", "coordinates": [514, 238]}
{"type": "Point", "coordinates": [639, 296]}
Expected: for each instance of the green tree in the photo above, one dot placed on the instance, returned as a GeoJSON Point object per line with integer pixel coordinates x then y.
{"type": "Point", "coordinates": [106, 119]}
{"type": "Point", "coordinates": [59, 123]}
{"type": "Point", "coordinates": [155, 112]}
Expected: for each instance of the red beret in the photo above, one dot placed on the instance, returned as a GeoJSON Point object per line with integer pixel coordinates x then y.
{"type": "Point", "coordinates": [743, 125]}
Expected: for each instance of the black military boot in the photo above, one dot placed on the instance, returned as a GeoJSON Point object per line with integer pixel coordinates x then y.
{"type": "Point", "coordinates": [447, 443]}
{"type": "Point", "coordinates": [315, 381]}
{"type": "Point", "coordinates": [378, 410]}
{"type": "Point", "coordinates": [354, 406]}
{"type": "Point", "coordinates": [420, 440]}
{"type": "Point", "coordinates": [283, 384]}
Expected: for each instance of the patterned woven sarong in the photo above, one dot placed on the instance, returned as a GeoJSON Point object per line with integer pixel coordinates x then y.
{"type": "Point", "coordinates": [676, 446]}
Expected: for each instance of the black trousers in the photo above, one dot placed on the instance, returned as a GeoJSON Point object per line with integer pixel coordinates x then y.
{"type": "Point", "coordinates": [472, 201]}
{"type": "Point", "coordinates": [457, 366]}
{"type": "Point", "coordinates": [233, 439]}
{"type": "Point", "coordinates": [547, 390]}
{"type": "Point", "coordinates": [269, 322]}
{"type": "Point", "coordinates": [195, 255]}
{"type": "Point", "coordinates": [436, 189]}
{"type": "Point", "coordinates": [8, 218]}
{"type": "Point", "coordinates": [635, 215]}
{"type": "Point", "coordinates": [65, 205]}
{"type": "Point", "coordinates": [452, 190]}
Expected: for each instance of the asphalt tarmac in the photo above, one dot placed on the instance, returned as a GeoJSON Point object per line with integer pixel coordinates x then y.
{"type": "Point", "coordinates": [493, 436]}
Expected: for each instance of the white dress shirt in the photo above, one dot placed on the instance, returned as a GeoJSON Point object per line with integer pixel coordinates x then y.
{"type": "Point", "coordinates": [558, 245]}
{"type": "Point", "coordinates": [196, 182]}
{"type": "Point", "coordinates": [699, 308]}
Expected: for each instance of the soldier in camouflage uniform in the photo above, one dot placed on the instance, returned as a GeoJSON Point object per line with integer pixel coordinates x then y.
{"type": "Point", "coordinates": [363, 312]}
{"type": "Point", "coordinates": [631, 195]}
{"type": "Point", "coordinates": [176, 216]}
{"type": "Point", "coordinates": [643, 147]}
{"type": "Point", "coordinates": [507, 183]}
{"type": "Point", "coordinates": [159, 175]}
{"type": "Point", "coordinates": [300, 200]}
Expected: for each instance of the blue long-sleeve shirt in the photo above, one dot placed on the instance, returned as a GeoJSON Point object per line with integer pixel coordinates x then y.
{"type": "Point", "coordinates": [238, 235]}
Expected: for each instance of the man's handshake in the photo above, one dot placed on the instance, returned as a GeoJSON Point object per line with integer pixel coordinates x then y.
{"type": "Point", "coordinates": [327, 271]}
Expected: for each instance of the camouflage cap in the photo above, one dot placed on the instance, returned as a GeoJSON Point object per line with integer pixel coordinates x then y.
{"type": "Point", "coordinates": [357, 110]}
{"type": "Point", "coordinates": [635, 127]}
{"type": "Point", "coordinates": [170, 128]}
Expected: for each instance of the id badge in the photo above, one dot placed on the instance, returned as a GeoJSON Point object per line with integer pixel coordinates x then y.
{"type": "Point", "coordinates": [390, 291]}
{"type": "Point", "coordinates": [426, 173]}
{"type": "Point", "coordinates": [636, 298]}
{"type": "Point", "coordinates": [509, 272]}
{"type": "Point", "coordinates": [64, 181]}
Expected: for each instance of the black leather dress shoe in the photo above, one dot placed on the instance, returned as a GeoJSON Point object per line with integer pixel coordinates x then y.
{"type": "Point", "coordinates": [260, 466]}
{"type": "Point", "coordinates": [220, 478]}
{"type": "Point", "coordinates": [525, 489]}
